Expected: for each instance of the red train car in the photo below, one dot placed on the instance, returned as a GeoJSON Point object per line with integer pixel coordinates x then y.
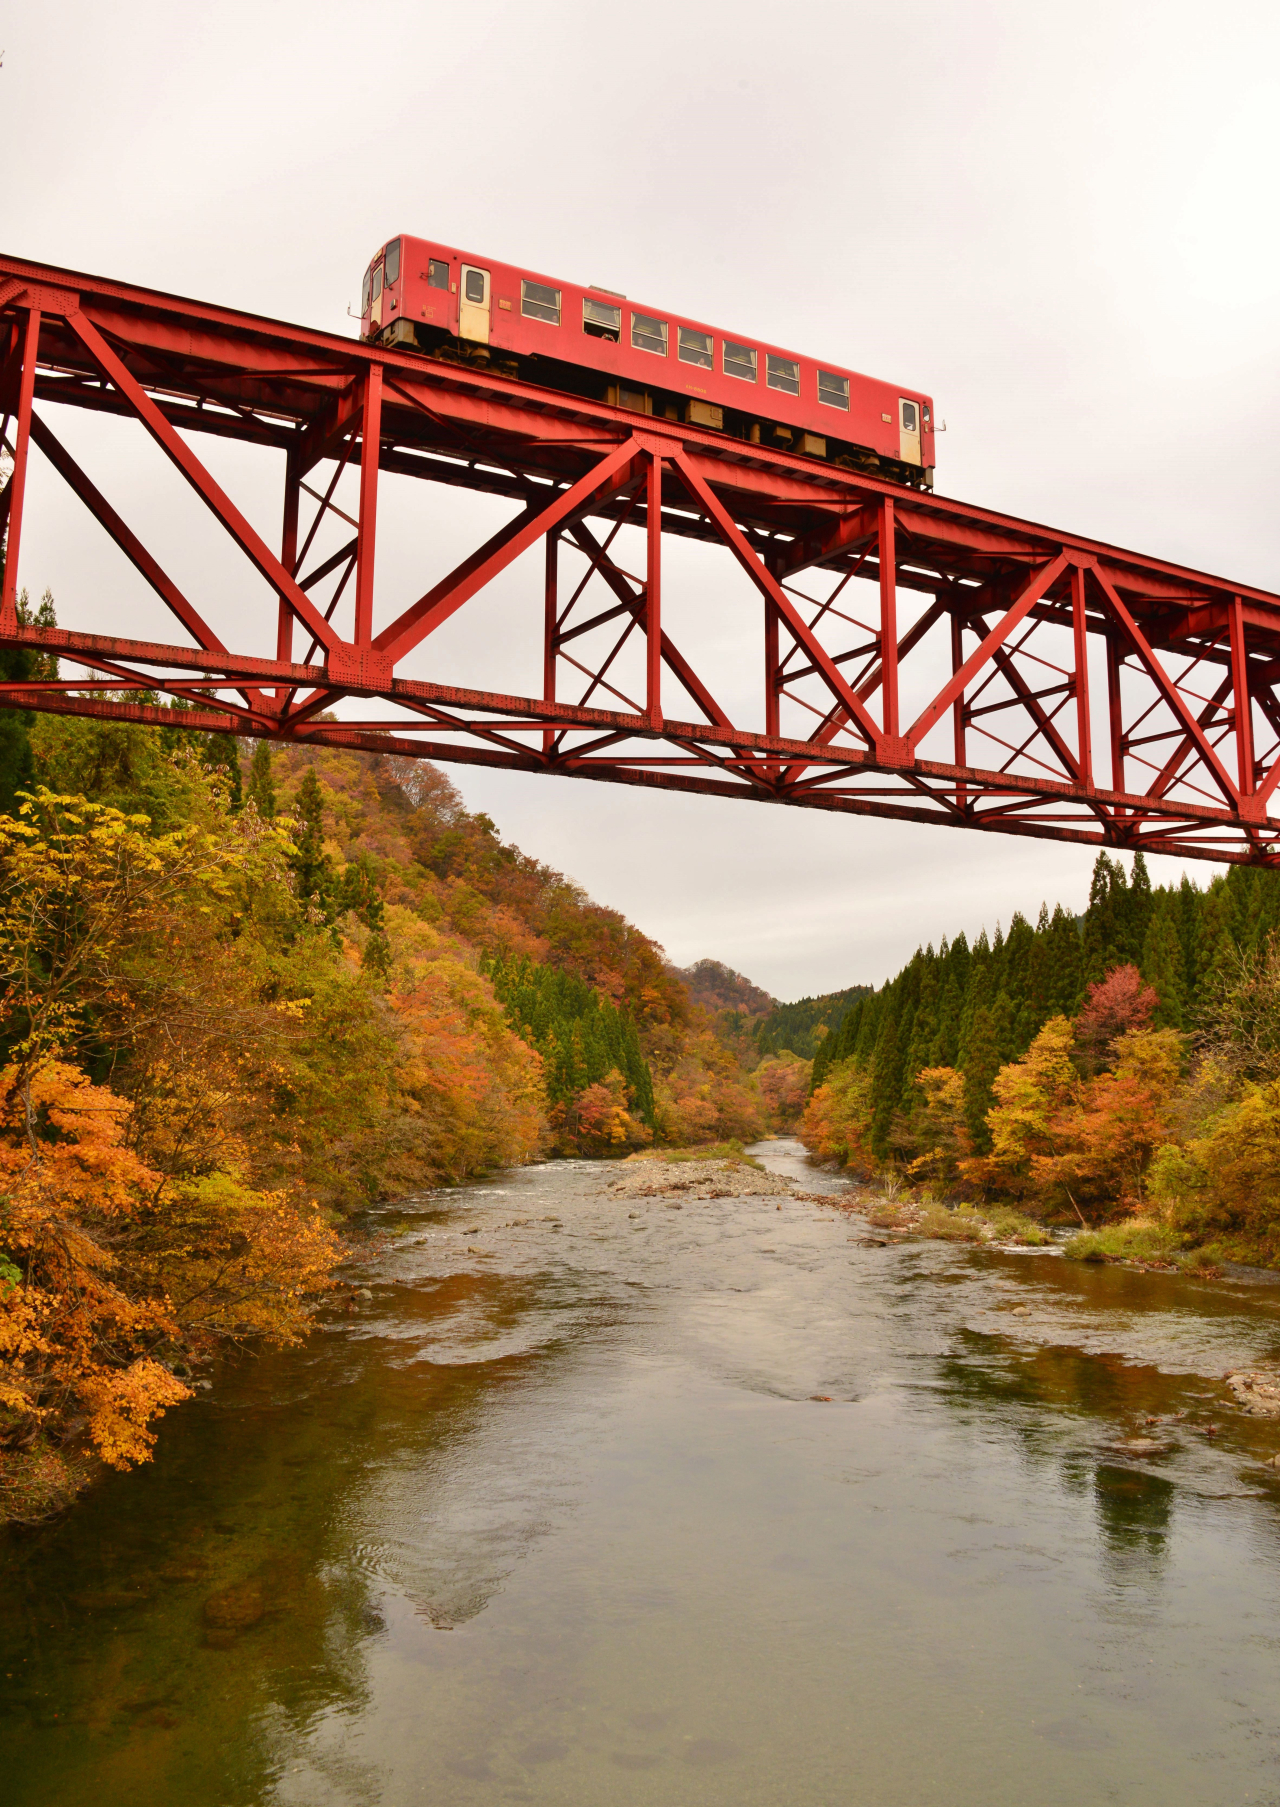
{"type": "Point", "coordinates": [596, 343]}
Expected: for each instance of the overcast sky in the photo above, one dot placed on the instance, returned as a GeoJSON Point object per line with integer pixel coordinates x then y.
{"type": "Point", "coordinates": [1057, 219]}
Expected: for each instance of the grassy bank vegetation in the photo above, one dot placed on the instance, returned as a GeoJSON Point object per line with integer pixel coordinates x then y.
{"type": "Point", "coordinates": [1119, 1072]}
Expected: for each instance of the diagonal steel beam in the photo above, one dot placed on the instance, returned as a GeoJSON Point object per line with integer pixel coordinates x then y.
{"type": "Point", "coordinates": [128, 542]}
{"type": "Point", "coordinates": [628, 599]}
{"type": "Point", "coordinates": [774, 593]}
{"type": "Point", "coordinates": [1166, 686]}
{"type": "Point", "coordinates": [425, 615]}
{"type": "Point", "coordinates": [959, 681]}
{"type": "Point", "coordinates": [176, 448]}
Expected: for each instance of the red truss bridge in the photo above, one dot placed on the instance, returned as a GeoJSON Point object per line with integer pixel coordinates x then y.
{"type": "Point", "coordinates": [919, 658]}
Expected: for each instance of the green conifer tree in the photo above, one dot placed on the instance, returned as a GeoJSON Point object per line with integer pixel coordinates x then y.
{"type": "Point", "coordinates": [19, 664]}
{"type": "Point", "coordinates": [981, 1064]}
{"type": "Point", "coordinates": [1162, 966]}
{"type": "Point", "coordinates": [311, 865]}
{"type": "Point", "coordinates": [1138, 910]}
{"type": "Point", "coordinates": [221, 753]}
{"type": "Point", "coordinates": [886, 1084]}
{"type": "Point", "coordinates": [262, 784]}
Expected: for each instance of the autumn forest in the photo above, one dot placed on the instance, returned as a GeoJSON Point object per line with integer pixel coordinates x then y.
{"type": "Point", "coordinates": [251, 991]}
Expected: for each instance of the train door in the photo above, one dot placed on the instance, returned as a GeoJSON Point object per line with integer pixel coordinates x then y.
{"type": "Point", "coordinates": [473, 306]}
{"type": "Point", "coordinates": [908, 431]}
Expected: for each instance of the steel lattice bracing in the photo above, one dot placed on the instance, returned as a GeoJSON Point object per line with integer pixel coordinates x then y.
{"type": "Point", "coordinates": [920, 658]}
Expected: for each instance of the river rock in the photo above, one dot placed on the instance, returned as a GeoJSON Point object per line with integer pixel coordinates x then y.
{"type": "Point", "coordinates": [652, 1177]}
{"type": "Point", "coordinates": [1142, 1446]}
{"type": "Point", "coordinates": [235, 1608]}
{"type": "Point", "coordinates": [1256, 1392]}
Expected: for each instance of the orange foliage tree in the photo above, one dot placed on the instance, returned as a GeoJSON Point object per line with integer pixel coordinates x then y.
{"type": "Point", "coordinates": [1059, 1138]}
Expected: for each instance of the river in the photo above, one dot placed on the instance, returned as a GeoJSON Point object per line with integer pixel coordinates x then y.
{"type": "Point", "coordinates": [604, 1502]}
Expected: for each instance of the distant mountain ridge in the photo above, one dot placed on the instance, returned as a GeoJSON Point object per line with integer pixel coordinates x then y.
{"type": "Point", "coordinates": [717, 987]}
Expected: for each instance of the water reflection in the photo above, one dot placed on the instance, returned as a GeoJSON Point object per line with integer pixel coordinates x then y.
{"type": "Point", "coordinates": [717, 1505]}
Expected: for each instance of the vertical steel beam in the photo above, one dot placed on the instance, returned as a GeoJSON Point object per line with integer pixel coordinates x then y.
{"type": "Point", "coordinates": [550, 616]}
{"type": "Point", "coordinates": [1079, 628]}
{"type": "Point", "coordinates": [888, 618]}
{"type": "Point", "coordinates": [653, 592]}
{"type": "Point", "coordinates": [772, 699]}
{"type": "Point", "coordinates": [17, 485]}
{"type": "Point", "coordinates": [289, 559]}
{"type": "Point", "coordinates": [1242, 698]}
{"type": "Point", "coordinates": [959, 719]}
{"type": "Point", "coordinates": [772, 659]}
{"type": "Point", "coordinates": [1115, 720]}
{"type": "Point", "coordinates": [370, 447]}
{"type": "Point", "coordinates": [958, 707]}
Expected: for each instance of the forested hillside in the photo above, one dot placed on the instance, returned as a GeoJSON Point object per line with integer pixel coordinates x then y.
{"type": "Point", "coordinates": [804, 1025]}
{"type": "Point", "coordinates": [1117, 1066]}
{"type": "Point", "coordinates": [248, 992]}
{"type": "Point", "coordinates": [717, 987]}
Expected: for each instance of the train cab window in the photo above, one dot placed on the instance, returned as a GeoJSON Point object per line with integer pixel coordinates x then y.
{"type": "Point", "coordinates": [910, 422]}
{"type": "Point", "coordinates": [648, 334]}
{"type": "Point", "coordinates": [538, 302]}
{"type": "Point", "coordinates": [601, 319]}
{"type": "Point", "coordinates": [366, 291]}
{"type": "Point", "coordinates": [695, 348]}
{"type": "Point", "coordinates": [784, 374]}
{"type": "Point", "coordinates": [377, 281]}
{"type": "Point", "coordinates": [437, 273]}
{"type": "Point", "coordinates": [740, 361]}
{"type": "Point", "coordinates": [391, 258]}
{"type": "Point", "coordinates": [833, 389]}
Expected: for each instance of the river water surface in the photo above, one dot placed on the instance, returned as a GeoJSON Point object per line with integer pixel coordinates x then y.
{"type": "Point", "coordinates": [604, 1502]}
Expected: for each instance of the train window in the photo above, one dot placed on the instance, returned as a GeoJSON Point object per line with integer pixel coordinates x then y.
{"type": "Point", "coordinates": [648, 334]}
{"type": "Point", "coordinates": [695, 348]}
{"type": "Point", "coordinates": [538, 302]}
{"type": "Point", "coordinates": [601, 319]}
{"type": "Point", "coordinates": [473, 287]}
{"type": "Point", "coordinates": [392, 259]}
{"type": "Point", "coordinates": [909, 421]}
{"type": "Point", "coordinates": [833, 389]}
{"type": "Point", "coordinates": [740, 360]}
{"type": "Point", "coordinates": [366, 295]}
{"type": "Point", "coordinates": [784, 374]}
{"type": "Point", "coordinates": [437, 273]}
{"type": "Point", "coordinates": [377, 281]}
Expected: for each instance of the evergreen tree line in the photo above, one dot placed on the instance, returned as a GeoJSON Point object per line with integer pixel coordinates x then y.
{"type": "Point", "coordinates": [581, 1038]}
{"type": "Point", "coordinates": [800, 1027]}
{"type": "Point", "coordinates": [977, 1008]}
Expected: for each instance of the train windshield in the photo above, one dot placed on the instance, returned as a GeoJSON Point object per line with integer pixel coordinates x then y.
{"type": "Point", "coordinates": [377, 282]}
{"type": "Point", "coordinates": [366, 292]}
{"type": "Point", "coordinates": [392, 261]}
